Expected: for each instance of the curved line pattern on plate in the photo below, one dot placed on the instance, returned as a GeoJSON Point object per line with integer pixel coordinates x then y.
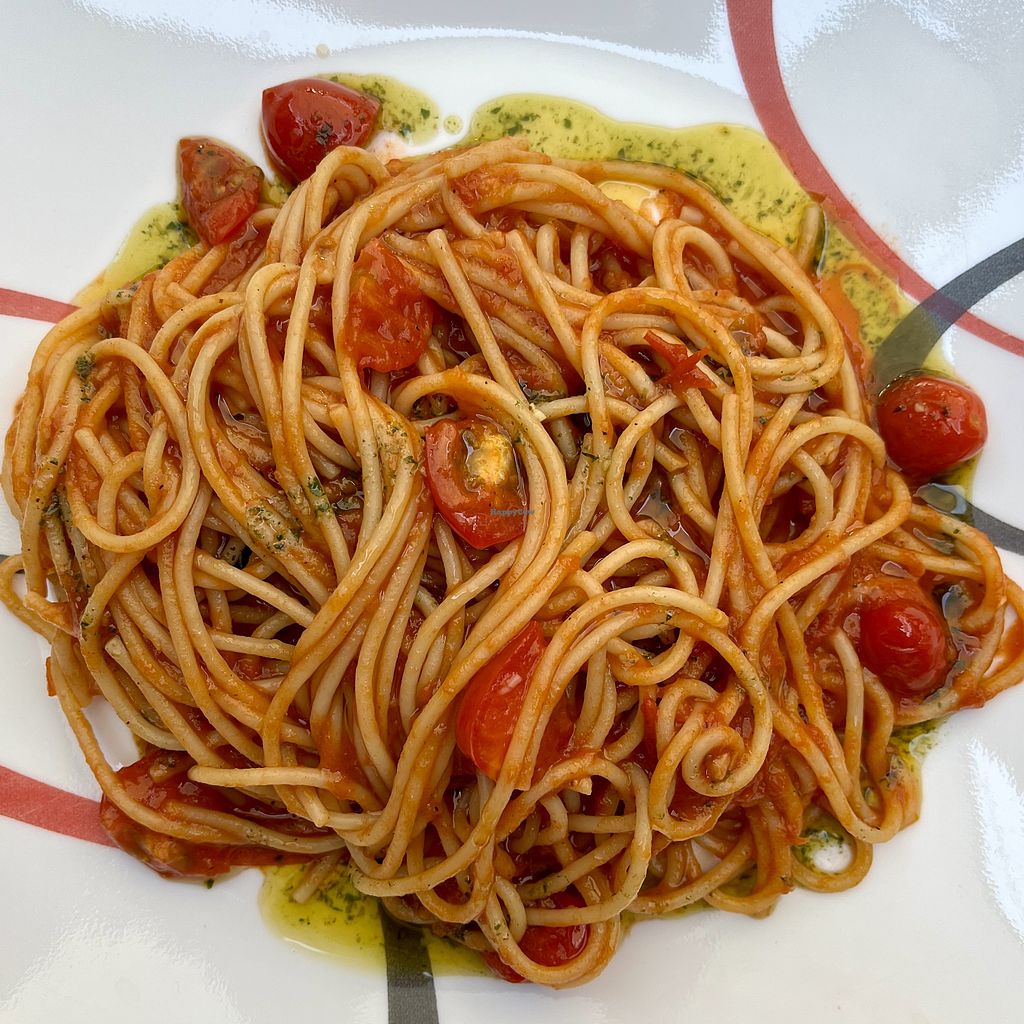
{"type": "Point", "coordinates": [411, 995]}
{"type": "Point", "coordinates": [33, 307]}
{"type": "Point", "coordinates": [918, 332]}
{"type": "Point", "coordinates": [915, 336]}
{"type": "Point", "coordinates": [753, 35]}
{"type": "Point", "coordinates": [49, 807]}
{"type": "Point", "coordinates": [910, 341]}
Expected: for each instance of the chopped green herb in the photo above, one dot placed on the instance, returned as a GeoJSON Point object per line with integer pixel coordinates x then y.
{"type": "Point", "coordinates": [84, 365]}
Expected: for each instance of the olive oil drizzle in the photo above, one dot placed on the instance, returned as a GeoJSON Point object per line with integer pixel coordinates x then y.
{"type": "Point", "coordinates": [159, 235]}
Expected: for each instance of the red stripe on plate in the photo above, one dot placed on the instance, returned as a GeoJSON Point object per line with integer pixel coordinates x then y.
{"type": "Point", "coordinates": [753, 37]}
{"type": "Point", "coordinates": [33, 307]}
{"type": "Point", "coordinates": [36, 803]}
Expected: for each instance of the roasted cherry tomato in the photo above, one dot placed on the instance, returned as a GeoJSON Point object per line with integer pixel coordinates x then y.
{"type": "Point", "coordinates": [305, 119]}
{"type": "Point", "coordinates": [930, 424]}
{"type": "Point", "coordinates": [550, 947]}
{"type": "Point", "coordinates": [220, 189]}
{"type": "Point", "coordinates": [682, 372]}
{"type": "Point", "coordinates": [906, 643]}
{"type": "Point", "coordinates": [161, 776]}
{"type": "Point", "coordinates": [389, 318]}
{"type": "Point", "coordinates": [493, 700]}
{"type": "Point", "coordinates": [475, 482]}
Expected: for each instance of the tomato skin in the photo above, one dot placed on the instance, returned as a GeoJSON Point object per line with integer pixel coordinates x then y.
{"type": "Point", "coordinates": [930, 424]}
{"type": "Point", "coordinates": [389, 319]}
{"type": "Point", "coordinates": [178, 858]}
{"type": "Point", "coordinates": [483, 512]}
{"type": "Point", "coordinates": [305, 119]}
{"type": "Point", "coordinates": [242, 252]}
{"type": "Point", "coordinates": [550, 947]}
{"type": "Point", "coordinates": [682, 372]}
{"type": "Point", "coordinates": [220, 189]}
{"type": "Point", "coordinates": [906, 643]}
{"type": "Point", "coordinates": [557, 738]}
{"type": "Point", "coordinates": [493, 700]}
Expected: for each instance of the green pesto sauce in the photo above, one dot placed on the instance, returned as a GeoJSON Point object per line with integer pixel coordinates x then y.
{"type": "Point", "coordinates": [879, 303]}
{"type": "Point", "coordinates": [739, 165]}
{"type": "Point", "coordinates": [826, 846]}
{"type": "Point", "coordinates": [159, 235]}
{"type": "Point", "coordinates": [817, 844]}
{"type": "Point", "coordinates": [629, 919]}
{"type": "Point", "coordinates": [404, 110]}
{"type": "Point", "coordinates": [341, 922]}
{"type": "Point", "coordinates": [743, 884]}
{"type": "Point", "coordinates": [912, 742]}
{"type": "Point", "coordinates": [275, 190]}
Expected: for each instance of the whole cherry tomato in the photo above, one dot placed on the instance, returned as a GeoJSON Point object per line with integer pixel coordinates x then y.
{"type": "Point", "coordinates": [930, 424]}
{"type": "Point", "coordinates": [305, 119]}
{"type": "Point", "coordinates": [906, 643]}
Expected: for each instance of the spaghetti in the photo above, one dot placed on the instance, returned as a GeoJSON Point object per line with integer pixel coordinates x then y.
{"type": "Point", "coordinates": [518, 548]}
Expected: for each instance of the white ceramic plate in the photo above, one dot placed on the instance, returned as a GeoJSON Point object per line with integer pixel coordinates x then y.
{"type": "Point", "coordinates": [913, 113]}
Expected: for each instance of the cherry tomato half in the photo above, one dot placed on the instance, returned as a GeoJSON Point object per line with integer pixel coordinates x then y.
{"type": "Point", "coordinates": [474, 479]}
{"type": "Point", "coordinates": [493, 699]}
{"type": "Point", "coordinates": [549, 947]}
{"type": "Point", "coordinates": [389, 318]}
{"type": "Point", "coordinates": [305, 119]}
{"type": "Point", "coordinates": [906, 643]}
{"type": "Point", "coordinates": [558, 944]}
{"type": "Point", "coordinates": [930, 424]}
{"type": "Point", "coordinates": [161, 776]}
{"type": "Point", "coordinates": [220, 189]}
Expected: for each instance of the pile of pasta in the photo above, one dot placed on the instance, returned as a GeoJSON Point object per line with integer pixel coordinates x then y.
{"type": "Point", "coordinates": [229, 535]}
